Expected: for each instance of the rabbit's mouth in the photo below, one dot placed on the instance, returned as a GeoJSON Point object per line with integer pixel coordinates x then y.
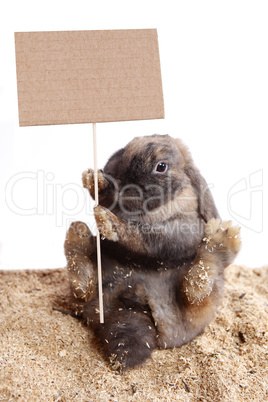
{"type": "Point", "coordinates": [155, 203]}
{"type": "Point", "coordinates": [138, 201]}
{"type": "Point", "coordinates": [183, 204]}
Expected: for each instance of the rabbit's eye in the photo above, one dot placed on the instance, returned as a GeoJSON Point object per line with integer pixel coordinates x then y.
{"type": "Point", "coordinates": [161, 167]}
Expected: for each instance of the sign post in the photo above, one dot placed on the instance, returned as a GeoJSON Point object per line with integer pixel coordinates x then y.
{"type": "Point", "coordinates": [71, 77]}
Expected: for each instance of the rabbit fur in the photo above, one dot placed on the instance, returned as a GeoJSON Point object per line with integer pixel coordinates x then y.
{"type": "Point", "coordinates": [164, 251]}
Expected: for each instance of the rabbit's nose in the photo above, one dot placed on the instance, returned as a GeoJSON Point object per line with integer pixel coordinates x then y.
{"type": "Point", "coordinates": [131, 191]}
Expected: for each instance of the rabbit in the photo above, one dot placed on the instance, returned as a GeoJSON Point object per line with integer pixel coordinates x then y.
{"type": "Point", "coordinates": [164, 249]}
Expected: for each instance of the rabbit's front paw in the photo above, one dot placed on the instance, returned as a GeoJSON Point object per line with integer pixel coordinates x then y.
{"type": "Point", "coordinates": [107, 223]}
{"type": "Point", "coordinates": [88, 179]}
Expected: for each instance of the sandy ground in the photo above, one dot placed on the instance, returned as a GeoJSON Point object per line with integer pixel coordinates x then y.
{"type": "Point", "coordinates": [46, 355]}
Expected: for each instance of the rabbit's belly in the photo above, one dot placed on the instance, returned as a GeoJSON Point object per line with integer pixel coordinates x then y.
{"type": "Point", "coordinates": [161, 296]}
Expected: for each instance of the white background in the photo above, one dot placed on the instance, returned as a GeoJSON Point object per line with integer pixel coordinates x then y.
{"type": "Point", "coordinates": [214, 61]}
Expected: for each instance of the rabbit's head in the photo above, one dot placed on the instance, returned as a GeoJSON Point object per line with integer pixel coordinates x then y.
{"type": "Point", "coordinates": [155, 179]}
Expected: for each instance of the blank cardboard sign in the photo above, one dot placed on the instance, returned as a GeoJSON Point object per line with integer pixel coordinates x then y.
{"type": "Point", "coordinates": [88, 76]}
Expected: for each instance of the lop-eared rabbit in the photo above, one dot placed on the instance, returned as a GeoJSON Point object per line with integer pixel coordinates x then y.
{"type": "Point", "coordinates": [164, 251]}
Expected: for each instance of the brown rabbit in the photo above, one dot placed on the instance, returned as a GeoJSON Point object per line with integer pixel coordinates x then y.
{"type": "Point", "coordinates": [164, 250]}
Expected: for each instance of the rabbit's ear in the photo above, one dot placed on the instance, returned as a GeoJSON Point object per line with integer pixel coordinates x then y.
{"type": "Point", "coordinates": [114, 162]}
{"type": "Point", "coordinates": [206, 204]}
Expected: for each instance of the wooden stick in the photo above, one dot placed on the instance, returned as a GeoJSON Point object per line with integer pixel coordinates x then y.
{"type": "Point", "coordinates": [98, 233]}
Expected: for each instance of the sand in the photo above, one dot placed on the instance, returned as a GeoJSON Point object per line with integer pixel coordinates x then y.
{"type": "Point", "coordinates": [46, 355]}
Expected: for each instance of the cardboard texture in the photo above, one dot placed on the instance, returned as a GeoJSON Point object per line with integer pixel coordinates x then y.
{"type": "Point", "coordinates": [88, 76]}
